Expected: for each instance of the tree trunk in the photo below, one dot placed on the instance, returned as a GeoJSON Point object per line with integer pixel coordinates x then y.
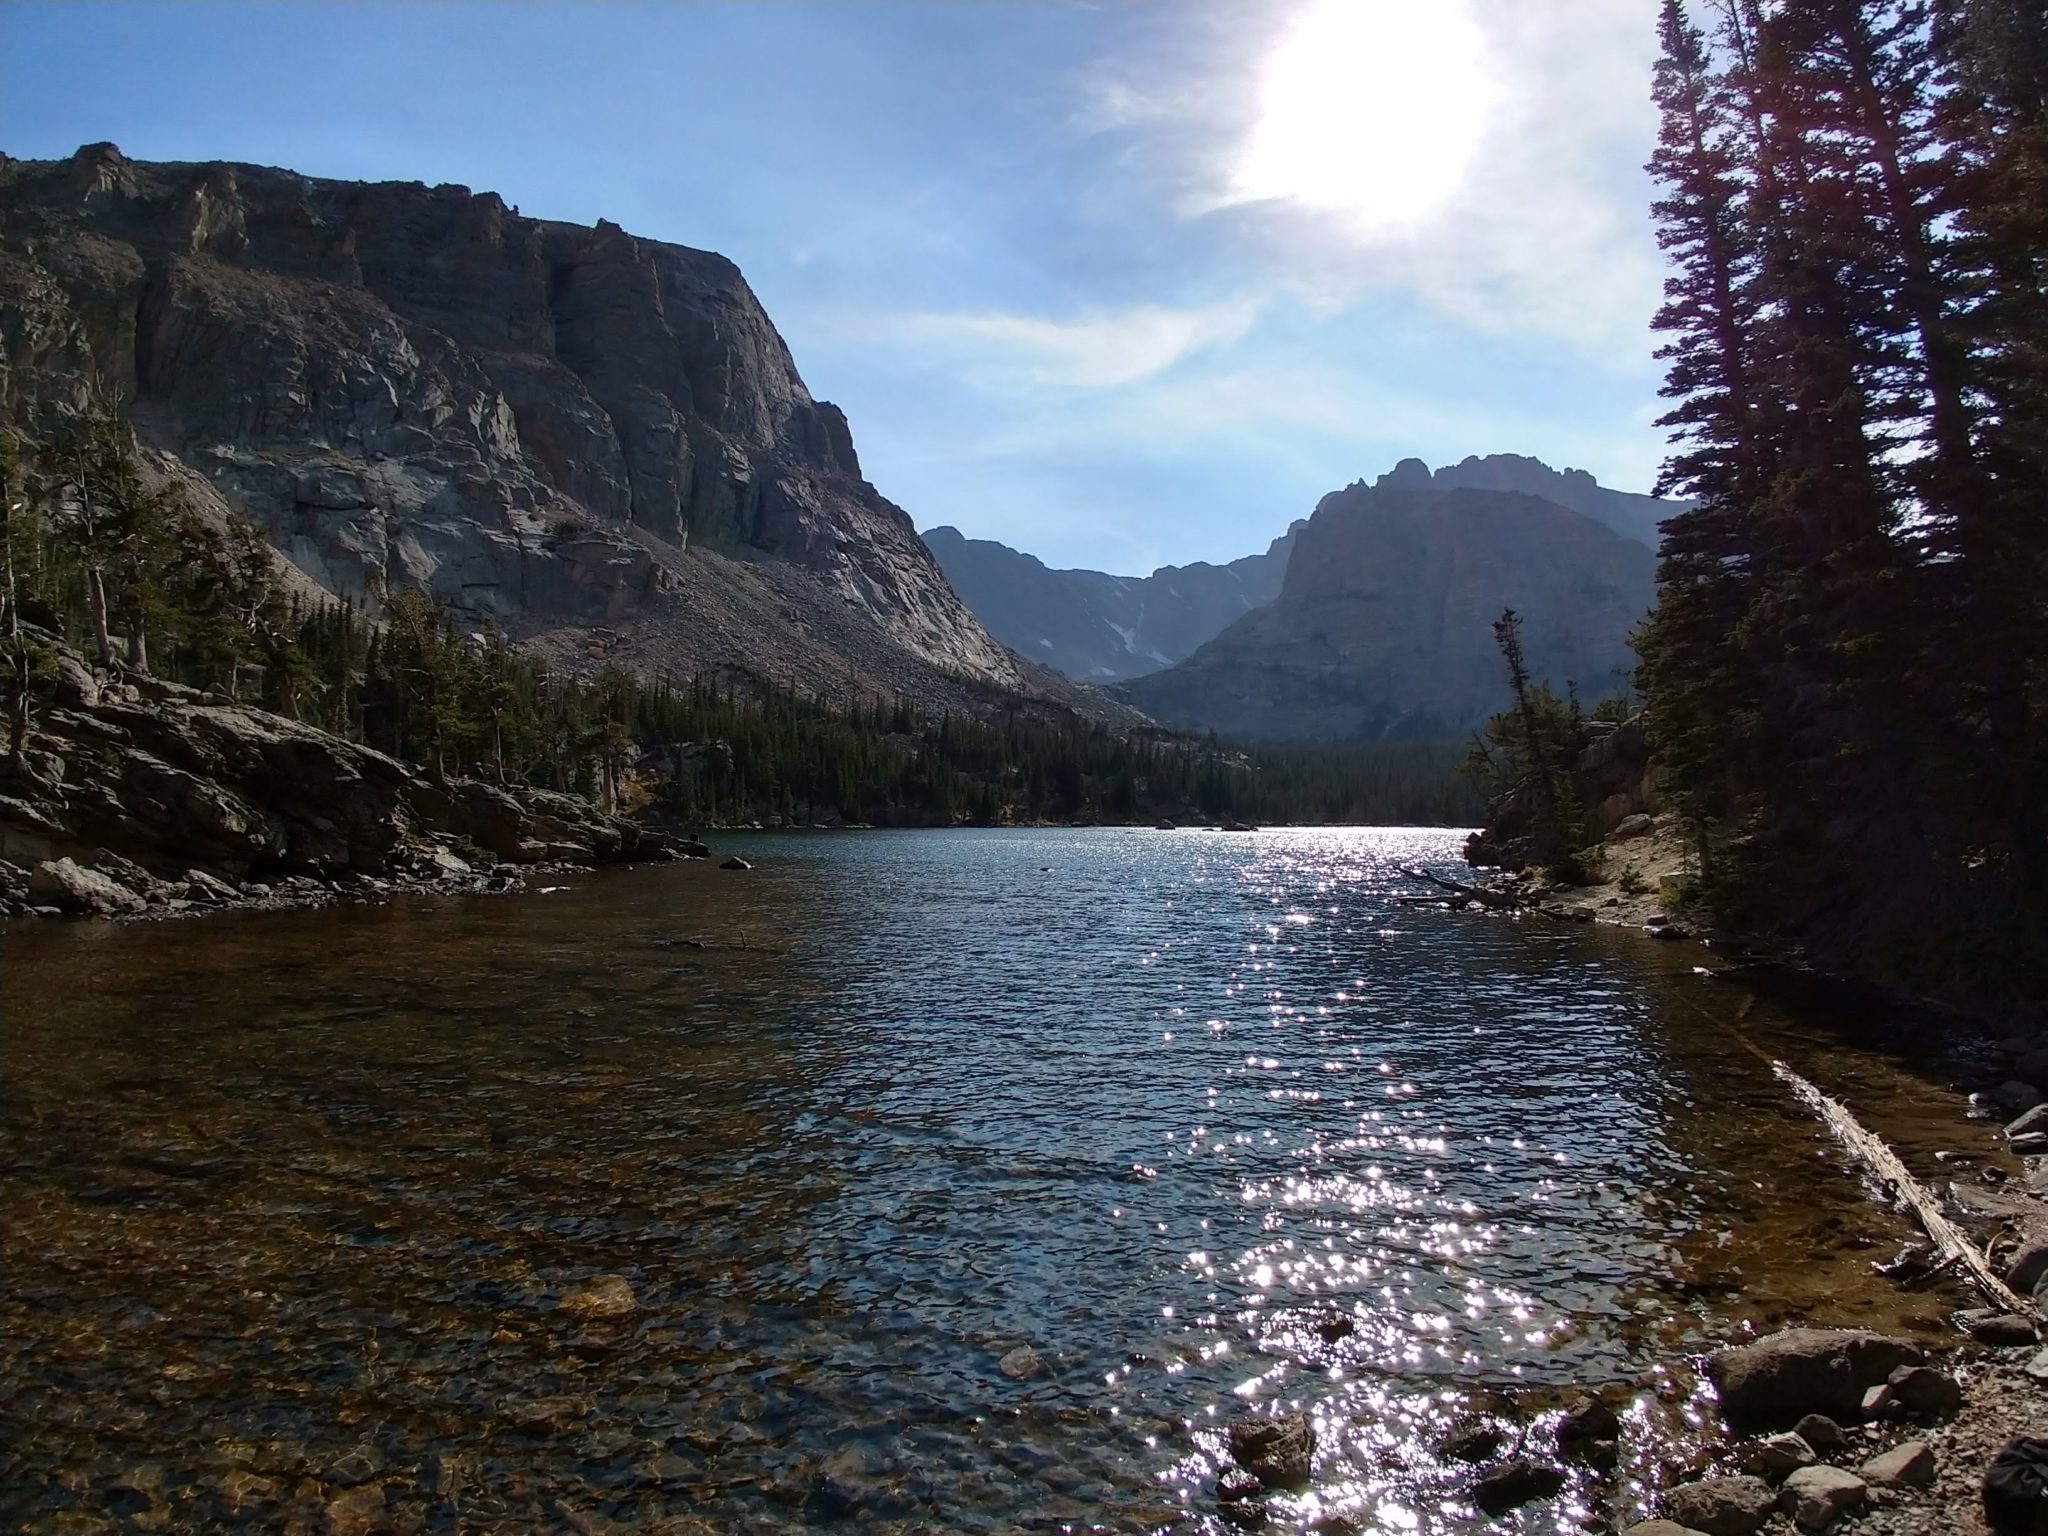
{"type": "Point", "coordinates": [138, 642]}
{"type": "Point", "coordinates": [96, 588]}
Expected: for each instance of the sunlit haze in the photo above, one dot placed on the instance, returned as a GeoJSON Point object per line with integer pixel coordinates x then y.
{"type": "Point", "coordinates": [1369, 109]}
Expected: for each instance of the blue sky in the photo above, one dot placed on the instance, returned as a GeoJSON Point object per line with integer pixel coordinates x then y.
{"type": "Point", "coordinates": [1119, 283]}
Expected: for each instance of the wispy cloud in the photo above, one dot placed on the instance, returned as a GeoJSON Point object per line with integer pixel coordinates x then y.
{"type": "Point", "coordinates": [1103, 349]}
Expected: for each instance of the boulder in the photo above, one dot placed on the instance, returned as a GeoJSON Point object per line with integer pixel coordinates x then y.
{"type": "Point", "coordinates": [1278, 1452]}
{"type": "Point", "coordinates": [2030, 1143]}
{"type": "Point", "coordinates": [1514, 1483]}
{"type": "Point", "coordinates": [1820, 1432]}
{"type": "Point", "coordinates": [1776, 1380]}
{"type": "Point", "coordinates": [1634, 826]}
{"type": "Point", "coordinates": [1778, 1457]}
{"type": "Point", "coordinates": [1720, 1506]}
{"type": "Point", "coordinates": [71, 887]}
{"type": "Point", "coordinates": [1998, 1330]}
{"type": "Point", "coordinates": [1910, 1465]}
{"type": "Point", "coordinates": [1660, 1528]}
{"type": "Point", "coordinates": [2026, 1269]}
{"type": "Point", "coordinates": [1924, 1392]}
{"type": "Point", "coordinates": [1816, 1497]}
{"type": "Point", "coordinates": [735, 863]}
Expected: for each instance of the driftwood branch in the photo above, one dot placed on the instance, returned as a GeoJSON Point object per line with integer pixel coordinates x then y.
{"type": "Point", "coordinates": [1885, 1164]}
{"type": "Point", "coordinates": [1493, 901]}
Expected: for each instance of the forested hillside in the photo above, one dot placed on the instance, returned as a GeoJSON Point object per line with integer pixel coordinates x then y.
{"type": "Point", "coordinates": [99, 552]}
{"type": "Point", "coordinates": [1848, 666]}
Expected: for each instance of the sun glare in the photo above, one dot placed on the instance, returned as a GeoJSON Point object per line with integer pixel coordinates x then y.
{"type": "Point", "coordinates": [1369, 109]}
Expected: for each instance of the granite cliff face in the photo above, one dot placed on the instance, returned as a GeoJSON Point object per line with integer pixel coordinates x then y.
{"type": "Point", "coordinates": [1100, 628]}
{"type": "Point", "coordinates": [1384, 625]}
{"type": "Point", "coordinates": [598, 440]}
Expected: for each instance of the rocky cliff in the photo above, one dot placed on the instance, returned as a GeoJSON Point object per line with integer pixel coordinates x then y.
{"type": "Point", "coordinates": [138, 794]}
{"type": "Point", "coordinates": [1383, 627]}
{"type": "Point", "coordinates": [1099, 628]}
{"type": "Point", "coordinates": [600, 441]}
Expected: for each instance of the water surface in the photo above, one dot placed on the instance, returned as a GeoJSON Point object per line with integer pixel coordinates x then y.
{"type": "Point", "coordinates": [969, 1181]}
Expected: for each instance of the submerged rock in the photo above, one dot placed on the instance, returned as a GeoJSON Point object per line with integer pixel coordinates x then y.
{"type": "Point", "coordinates": [1278, 1452]}
{"type": "Point", "coordinates": [1514, 1483]}
{"type": "Point", "coordinates": [1472, 1440]}
{"type": "Point", "coordinates": [608, 1296]}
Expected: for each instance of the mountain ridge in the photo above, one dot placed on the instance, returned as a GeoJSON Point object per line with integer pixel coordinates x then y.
{"type": "Point", "coordinates": [597, 441]}
{"type": "Point", "coordinates": [1383, 627]}
{"type": "Point", "coordinates": [1096, 627]}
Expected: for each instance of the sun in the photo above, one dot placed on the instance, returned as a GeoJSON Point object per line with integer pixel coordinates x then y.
{"type": "Point", "coordinates": [1371, 110]}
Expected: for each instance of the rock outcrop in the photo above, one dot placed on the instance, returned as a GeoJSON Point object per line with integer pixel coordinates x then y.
{"type": "Point", "coordinates": [1384, 626]}
{"type": "Point", "coordinates": [142, 794]}
{"type": "Point", "coordinates": [599, 441]}
{"type": "Point", "coordinates": [1099, 628]}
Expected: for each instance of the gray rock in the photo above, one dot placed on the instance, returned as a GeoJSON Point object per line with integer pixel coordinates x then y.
{"type": "Point", "coordinates": [1779, 1456]}
{"type": "Point", "coordinates": [1999, 1330]}
{"type": "Point", "coordinates": [1634, 826]}
{"type": "Point", "coordinates": [1278, 1452]}
{"type": "Point", "coordinates": [1910, 1465]}
{"type": "Point", "coordinates": [2028, 1267]}
{"type": "Point", "coordinates": [1776, 1380]}
{"type": "Point", "coordinates": [1661, 1528]}
{"type": "Point", "coordinates": [2030, 1143]}
{"type": "Point", "coordinates": [1820, 1432]}
{"type": "Point", "coordinates": [71, 887]}
{"type": "Point", "coordinates": [2035, 1119]}
{"type": "Point", "coordinates": [1816, 1497]}
{"type": "Point", "coordinates": [735, 863]}
{"type": "Point", "coordinates": [2037, 1367]}
{"type": "Point", "coordinates": [1924, 1392]}
{"type": "Point", "coordinates": [1720, 1506]}
{"type": "Point", "coordinates": [1515, 1483]}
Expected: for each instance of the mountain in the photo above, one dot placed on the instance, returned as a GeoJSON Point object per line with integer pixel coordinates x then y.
{"type": "Point", "coordinates": [598, 441]}
{"type": "Point", "coordinates": [1629, 514]}
{"type": "Point", "coordinates": [1100, 628]}
{"type": "Point", "coordinates": [1384, 626]}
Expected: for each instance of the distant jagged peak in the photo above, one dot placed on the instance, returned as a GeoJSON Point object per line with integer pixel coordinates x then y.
{"type": "Point", "coordinates": [1628, 513]}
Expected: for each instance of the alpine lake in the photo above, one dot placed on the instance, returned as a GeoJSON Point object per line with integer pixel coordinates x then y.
{"type": "Point", "coordinates": [972, 1181]}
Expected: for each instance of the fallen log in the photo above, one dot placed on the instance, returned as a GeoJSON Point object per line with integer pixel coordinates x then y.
{"type": "Point", "coordinates": [1884, 1163]}
{"type": "Point", "coordinates": [1493, 901]}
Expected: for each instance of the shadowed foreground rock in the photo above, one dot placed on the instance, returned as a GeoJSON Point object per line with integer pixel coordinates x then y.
{"type": "Point", "coordinates": [144, 794]}
{"type": "Point", "coordinates": [1775, 1381]}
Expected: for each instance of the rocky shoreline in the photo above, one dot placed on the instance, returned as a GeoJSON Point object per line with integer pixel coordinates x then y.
{"type": "Point", "coordinates": [1828, 1430]}
{"type": "Point", "coordinates": [140, 797]}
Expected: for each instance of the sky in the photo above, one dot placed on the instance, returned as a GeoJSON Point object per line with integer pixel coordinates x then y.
{"type": "Point", "coordinates": [1120, 284]}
